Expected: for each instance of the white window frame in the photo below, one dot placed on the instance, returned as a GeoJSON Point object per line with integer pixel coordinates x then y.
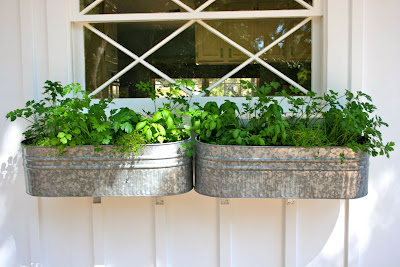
{"type": "Point", "coordinates": [80, 20]}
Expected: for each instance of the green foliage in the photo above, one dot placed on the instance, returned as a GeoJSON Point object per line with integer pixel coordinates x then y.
{"type": "Point", "coordinates": [258, 123]}
{"type": "Point", "coordinates": [167, 124]}
{"type": "Point", "coordinates": [130, 143]}
{"type": "Point", "coordinates": [67, 116]}
{"type": "Point", "coordinates": [311, 121]}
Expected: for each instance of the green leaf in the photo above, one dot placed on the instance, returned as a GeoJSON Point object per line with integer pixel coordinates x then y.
{"type": "Point", "coordinates": [213, 124]}
{"type": "Point", "coordinates": [53, 141]}
{"type": "Point", "coordinates": [239, 140]}
{"type": "Point", "coordinates": [235, 133]}
{"type": "Point", "coordinates": [161, 129]}
{"type": "Point", "coordinates": [166, 113]}
{"type": "Point", "coordinates": [157, 116]}
{"type": "Point", "coordinates": [275, 85]}
{"type": "Point", "coordinates": [140, 125]}
{"type": "Point", "coordinates": [261, 141]}
{"type": "Point", "coordinates": [149, 134]}
{"type": "Point", "coordinates": [196, 124]}
{"type": "Point", "coordinates": [127, 127]}
{"type": "Point", "coordinates": [115, 126]}
{"type": "Point", "coordinates": [204, 114]}
{"type": "Point", "coordinates": [101, 127]}
{"type": "Point", "coordinates": [106, 140]}
{"type": "Point", "coordinates": [219, 124]}
{"type": "Point", "coordinates": [170, 123]}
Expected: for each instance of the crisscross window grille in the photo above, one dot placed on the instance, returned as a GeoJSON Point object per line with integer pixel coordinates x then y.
{"type": "Point", "coordinates": [214, 43]}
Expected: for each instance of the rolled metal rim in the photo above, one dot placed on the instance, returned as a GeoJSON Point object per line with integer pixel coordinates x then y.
{"type": "Point", "coordinates": [246, 146]}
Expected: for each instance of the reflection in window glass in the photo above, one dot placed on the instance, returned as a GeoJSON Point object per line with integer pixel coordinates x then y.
{"type": "Point", "coordinates": [236, 5]}
{"type": "Point", "coordinates": [101, 62]}
{"type": "Point", "coordinates": [232, 87]}
{"type": "Point", "coordinates": [163, 85]}
{"type": "Point", "coordinates": [150, 6]}
{"type": "Point", "coordinates": [199, 55]}
{"type": "Point", "coordinates": [124, 6]}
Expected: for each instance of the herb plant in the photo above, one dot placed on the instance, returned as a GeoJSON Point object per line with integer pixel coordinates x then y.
{"type": "Point", "coordinates": [311, 121]}
{"type": "Point", "coordinates": [65, 117]}
{"type": "Point", "coordinates": [68, 116]}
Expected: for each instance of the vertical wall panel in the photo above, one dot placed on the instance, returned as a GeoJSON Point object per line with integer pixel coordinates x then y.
{"type": "Point", "coordinates": [192, 237]}
{"type": "Point", "coordinates": [14, 203]}
{"type": "Point", "coordinates": [66, 232]}
{"type": "Point", "coordinates": [377, 216]}
{"type": "Point", "coordinates": [58, 41]}
{"type": "Point", "coordinates": [257, 232]}
{"type": "Point", "coordinates": [129, 231]}
{"type": "Point", "coordinates": [316, 222]}
{"type": "Point", "coordinates": [337, 44]}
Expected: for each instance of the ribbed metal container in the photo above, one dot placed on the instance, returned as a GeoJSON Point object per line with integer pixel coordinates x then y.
{"type": "Point", "coordinates": [280, 172]}
{"type": "Point", "coordinates": [158, 170]}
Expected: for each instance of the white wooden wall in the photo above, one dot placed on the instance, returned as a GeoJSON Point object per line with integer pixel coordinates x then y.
{"type": "Point", "coordinates": [361, 51]}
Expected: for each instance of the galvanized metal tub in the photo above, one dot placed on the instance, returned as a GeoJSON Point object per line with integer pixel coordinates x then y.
{"type": "Point", "coordinates": [158, 170]}
{"type": "Point", "coordinates": [280, 172]}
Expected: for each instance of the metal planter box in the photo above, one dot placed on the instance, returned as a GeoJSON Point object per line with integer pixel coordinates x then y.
{"type": "Point", "coordinates": [158, 170]}
{"type": "Point", "coordinates": [280, 172]}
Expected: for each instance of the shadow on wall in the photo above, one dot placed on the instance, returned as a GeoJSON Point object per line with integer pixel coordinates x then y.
{"type": "Point", "coordinates": [14, 203]}
{"type": "Point", "coordinates": [372, 220]}
{"type": "Point", "coordinates": [319, 232]}
{"type": "Point", "coordinates": [10, 169]}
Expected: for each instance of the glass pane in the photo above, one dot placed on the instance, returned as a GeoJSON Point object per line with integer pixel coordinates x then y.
{"type": "Point", "coordinates": [102, 62]}
{"type": "Point", "coordinates": [254, 35]}
{"type": "Point", "coordinates": [164, 85]}
{"type": "Point", "coordinates": [140, 37]}
{"type": "Point", "coordinates": [232, 86]}
{"type": "Point", "coordinates": [194, 4]}
{"type": "Point", "coordinates": [234, 5]}
{"type": "Point", "coordinates": [292, 56]}
{"type": "Point", "coordinates": [199, 55]}
{"type": "Point", "coordinates": [124, 6]}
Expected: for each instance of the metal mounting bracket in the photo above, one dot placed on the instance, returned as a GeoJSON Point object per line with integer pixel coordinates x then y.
{"type": "Point", "coordinates": [224, 201]}
{"type": "Point", "coordinates": [159, 201]}
{"type": "Point", "coordinates": [96, 200]}
{"type": "Point", "coordinates": [290, 201]}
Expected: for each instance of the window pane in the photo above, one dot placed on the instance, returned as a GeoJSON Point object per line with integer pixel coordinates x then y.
{"type": "Point", "coordinates": [149, 6]}
{"type": "Point", "coordinates": [124, 6]}
{"type": "Point", "coordinates": [199, 55]}
{"type": "Point", "coordinates": [140, 37]}
{"type": "Point", "coordinates": [194, 4]}
{"type": "Point", "coordinates": [101, 61]}
{"type": "Point", "coordinates": [232, 87]}
{"type": "Point", "coordinates": [234, 5]}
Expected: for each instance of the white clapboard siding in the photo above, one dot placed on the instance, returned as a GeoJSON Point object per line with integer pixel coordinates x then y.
{"type": "Point", "coordinates": [360, 50]}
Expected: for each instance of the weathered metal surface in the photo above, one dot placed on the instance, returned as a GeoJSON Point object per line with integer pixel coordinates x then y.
{"type": "Point", "coordinates": [158, 170]}
{"type": "Point", "coordinates": [280, 172]}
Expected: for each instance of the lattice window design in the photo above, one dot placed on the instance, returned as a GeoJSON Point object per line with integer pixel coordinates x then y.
{"type": "Point", "coordinates": [201, 16]}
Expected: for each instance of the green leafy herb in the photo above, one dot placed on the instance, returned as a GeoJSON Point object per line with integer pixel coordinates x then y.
{"type": "Point", "coordinates": [310, 121]}
{"type": "Point", "coordinates": [68, 116]}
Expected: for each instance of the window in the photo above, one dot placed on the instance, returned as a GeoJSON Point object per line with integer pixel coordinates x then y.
{"type": "Point", "coordinates": [214, 43]}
